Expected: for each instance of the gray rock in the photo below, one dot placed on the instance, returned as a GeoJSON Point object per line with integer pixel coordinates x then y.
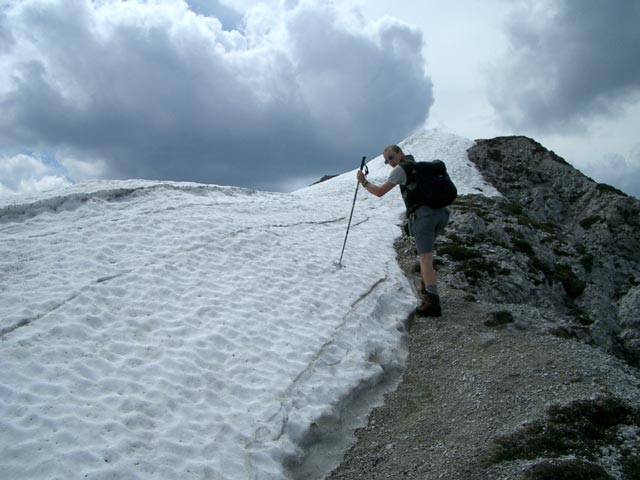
{"type": "Point", "coordinates": [629, 315]}
{"type": "Point", "coordinates": [594, 251]}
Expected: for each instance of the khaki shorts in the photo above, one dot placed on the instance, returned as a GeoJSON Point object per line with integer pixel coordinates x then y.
{"type": "Point", "coordinates": [426, 224]}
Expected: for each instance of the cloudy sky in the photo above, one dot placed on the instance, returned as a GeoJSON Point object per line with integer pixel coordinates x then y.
{"type": "Point", "coordinates": [275, 94]}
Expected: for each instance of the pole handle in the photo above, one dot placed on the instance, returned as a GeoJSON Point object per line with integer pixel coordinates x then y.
{"type": "Point", "coordinates": [363, 166]}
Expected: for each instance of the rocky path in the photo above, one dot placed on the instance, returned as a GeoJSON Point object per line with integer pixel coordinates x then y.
{"type": "Point", "coordinates": [468, 383]}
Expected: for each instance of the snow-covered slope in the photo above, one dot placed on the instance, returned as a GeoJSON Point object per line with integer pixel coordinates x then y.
{"type": "Point", "coordinates": [425, 145]}
{"type": "Point", "coordinates": [159, 330]}
{"type": "Point", "coordinates": [452, 149]}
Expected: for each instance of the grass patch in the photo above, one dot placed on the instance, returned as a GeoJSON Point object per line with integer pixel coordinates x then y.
{"type": "Point", "coordinates": [511, 209]}
{"type": "Point", "coordinates": [478, 269]}
{"type": "Point", "coordinates": [631, 465]}
{"type": "Point", "coordinates": [563, 332]}
{"type": "Point", "coordinates": [603, 187]}
{"type": "Point", "coordinates": [495, 155]}
{"type": "Point", "coordinates": [556, 158]}
{"type": "Point", "coordinates": [579, 313]}
{"type": "Point", "coordinates": [498, 319]}
{"type": "Point", "coordinates": [481, 206]}
{"type": "Point", "coordinates": [458, 253]}
{"type": "Point", "coordinates": [580, 428]}
{"type": "Point", "coordinates": [472, 264]}
{"type": "Point", "coordinates": [588, 222]}
{"type": "Point", "coordinates": [519, 243]}
{"type": "Point", "coordinates": [587, 262]}
{"type": "Point", "coordinates": [573, 469]}
{"type": "Point", "coordinates": [549, 228]}
{"type": "Point", "coordinates": [523, 246]}
{"type": "Point", "coordinates": [438, 263]}
{"type": "Point", "coordinates": [572, 285]}
{"type": "Point", "coordinates": [515, 211]}
{"type": "Point", "coordinates": [524, 221]}
{"type": "Point", "coordinates": [454, 239]}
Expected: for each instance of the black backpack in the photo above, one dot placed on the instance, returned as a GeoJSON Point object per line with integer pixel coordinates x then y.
{"type": "Point", "coordinates": [428, 183]}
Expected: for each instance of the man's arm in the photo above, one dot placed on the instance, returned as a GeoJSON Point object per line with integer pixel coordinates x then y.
{"type": "Point", "coordinates": [378, 190]}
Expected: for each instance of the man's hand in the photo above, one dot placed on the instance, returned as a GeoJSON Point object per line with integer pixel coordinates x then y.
{"type": "Point", "coordinates": [361, 177]}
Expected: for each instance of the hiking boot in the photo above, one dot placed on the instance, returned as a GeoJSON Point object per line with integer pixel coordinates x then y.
{"type": "Point", "coordinates": [430, 306]}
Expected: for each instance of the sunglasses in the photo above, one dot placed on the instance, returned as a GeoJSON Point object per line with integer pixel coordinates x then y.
{"type": "Point", "coordinates": [388, 159]}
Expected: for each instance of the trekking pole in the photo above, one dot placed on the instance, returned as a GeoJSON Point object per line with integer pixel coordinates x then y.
{"type": "Point", "coordinates": [366, 170]}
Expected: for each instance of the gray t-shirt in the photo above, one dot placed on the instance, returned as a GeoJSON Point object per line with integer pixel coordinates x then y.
{"type": "Point", "coordinates": [398, 176]}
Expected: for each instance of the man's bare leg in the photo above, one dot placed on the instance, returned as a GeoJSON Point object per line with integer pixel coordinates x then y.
{"type": "Point", "coordinates": [429, 276]}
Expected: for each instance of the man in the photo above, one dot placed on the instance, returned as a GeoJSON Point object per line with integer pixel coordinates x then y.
{"type": "Point", "coordinates": [425, 224]}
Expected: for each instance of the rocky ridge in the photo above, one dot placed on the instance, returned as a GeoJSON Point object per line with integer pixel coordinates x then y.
{"type": "Point", "coordinates": [570, 232]}
{"type": "Point", "coordinates": [531, 373]}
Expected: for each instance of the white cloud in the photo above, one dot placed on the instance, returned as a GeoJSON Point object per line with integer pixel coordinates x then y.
{"type": "Point", "coordinates": [154, 90]}
{"type": "Point", "coordinates": [22, 174]}
{"type": "Point", "coordinates": [82, 169]}
{"type": "Point", "coordinates": [617, 170]}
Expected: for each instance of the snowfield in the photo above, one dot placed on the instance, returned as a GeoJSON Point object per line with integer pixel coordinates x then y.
{"type": "Point", "coordinates": [161, 330]}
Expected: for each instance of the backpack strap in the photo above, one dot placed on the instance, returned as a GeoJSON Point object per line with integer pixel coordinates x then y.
{"type": "Point", "coordinates": [410, 194]}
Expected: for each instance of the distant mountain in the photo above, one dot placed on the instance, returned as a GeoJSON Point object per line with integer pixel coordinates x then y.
{"type": "Point", "coordinates": [324, 179]}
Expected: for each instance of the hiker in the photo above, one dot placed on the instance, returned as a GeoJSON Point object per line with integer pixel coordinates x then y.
{"type": "Point", "coordinates": [425, 224]}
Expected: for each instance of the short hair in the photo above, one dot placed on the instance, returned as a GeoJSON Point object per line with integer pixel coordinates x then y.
{"type": "Point", "coordinates": [395, 148]}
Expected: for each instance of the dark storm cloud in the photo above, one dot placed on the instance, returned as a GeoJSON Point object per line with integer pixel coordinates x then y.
{"type": "Point", "coordinates": [567, 62]}
{"type": "Point", "coordinates": [152, 90]}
